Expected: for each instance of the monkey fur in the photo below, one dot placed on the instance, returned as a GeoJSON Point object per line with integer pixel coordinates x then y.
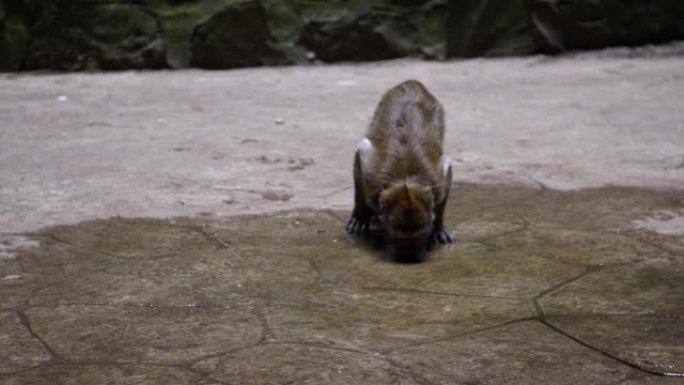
{"type": "Point", "coordinates": [401, 173]}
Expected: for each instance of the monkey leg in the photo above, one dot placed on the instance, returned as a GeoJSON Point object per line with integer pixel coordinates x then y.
{"type": "Point", "coordinates": [362, 214]}
{"type": "Point", "coordinates": [440, 235]}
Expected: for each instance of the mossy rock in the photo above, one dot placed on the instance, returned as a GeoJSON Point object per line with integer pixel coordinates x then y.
{"type": "Point", "coordinates": [361, 34]}
{"type": "Point", "coordinates": [489, 28]}
{"type": "Point", "coordinates": [237, 36]}
{"type": "Point", "coordinates": [14, 39]}
{"type": "Point", "coordinates": [581, 24]}
{"type": "Point", "coordinates": [107, 36]}
{"type": "Point", "coordinates": [123, 34]}
{"type": "Point", "coordinates": [178, 20]}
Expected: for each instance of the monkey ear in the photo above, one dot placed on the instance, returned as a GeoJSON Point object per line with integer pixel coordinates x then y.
{"type": "Point", "coordinates": [438, 117]}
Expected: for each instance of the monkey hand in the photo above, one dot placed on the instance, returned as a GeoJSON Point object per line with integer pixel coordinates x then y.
{"type": "Point", "coordinates": [358, 224]}
{"type": "Point", "coordinates": [440, 235]}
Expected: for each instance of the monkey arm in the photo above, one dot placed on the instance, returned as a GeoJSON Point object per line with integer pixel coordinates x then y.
{"type": "Point", "coordinates": [361, 215]}
{"type": "Point", "coordinates": [439, 233]}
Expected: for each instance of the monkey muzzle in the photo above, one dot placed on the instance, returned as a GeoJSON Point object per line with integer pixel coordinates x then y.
{"type": "Point", "coordinates": [409, 248]}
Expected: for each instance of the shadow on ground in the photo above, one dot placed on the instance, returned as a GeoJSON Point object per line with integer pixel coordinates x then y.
{"type": "Point", "coordinates": [544, 287]}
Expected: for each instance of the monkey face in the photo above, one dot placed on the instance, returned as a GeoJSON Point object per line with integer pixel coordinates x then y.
{"type": "Point", "coordinates": [407, 210]}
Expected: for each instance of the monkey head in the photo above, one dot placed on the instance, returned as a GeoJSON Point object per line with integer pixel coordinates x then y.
{"type": "Point", "coordinates": [407, 211]}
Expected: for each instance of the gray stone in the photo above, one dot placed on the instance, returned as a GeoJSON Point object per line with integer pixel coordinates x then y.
{"type": "Point", "coordinates": [107, 36]}
{"type": "Point", "coordinates": [236, 36]}
{"type": "Point", "coordinates": [579, 24]}
{"type": "Point", "coordinates": [14, 39]}
{"type": "Point", "coordinates": [489, 28]}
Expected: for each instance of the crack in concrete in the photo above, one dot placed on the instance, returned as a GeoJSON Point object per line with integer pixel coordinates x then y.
{"type": "Point", "coordinates": [410, 346]}
{"type": "Point", "coordinates": [215, 239]}
{"type": "Point", "coordinates": [24, 370]}
{"type": "Point", "coordinates": [267, 333]}
{"type": "Point", "coordinates": [58, 239]}
{"type": "Point", "coordinates": [20, 313]}
{"type": "Point", "coordinates": [429, 292]}
{"type": "Point", "coordinates": [607, 354]}
{"type": "Point", "coordinates": [589, 269]}
{"type": "Point", "coordinates": [525, 226]}
{"type": "Point", "coordinates": [420, 380]}
{"type": "Point", "coordinates": [141, 306]}
{"type": "Point", "coordinates": [318, 345]}
{"type": "Point", "coordinates": [541, 317]}
{"type": "Point", "coordinates": [80, 363]}
{"type": "Point", "coordinates": [658, 246]}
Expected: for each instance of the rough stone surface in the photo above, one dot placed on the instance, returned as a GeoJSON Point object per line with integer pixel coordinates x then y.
{"type": "Point", "coordinates": [490, 28]}
{"type": "Point", "coordinates": [290, 298]}
{"type": "Point", "coordinates": [114, 34]}
{"type": "Point", "coordinates": [85, 146]}
{"type": "Point", "coordinates": [235, 37]}
{"type": "Point", "coordinates": [580, 24]}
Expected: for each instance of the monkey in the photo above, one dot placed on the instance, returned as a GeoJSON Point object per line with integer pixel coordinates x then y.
{"type": "Point", "coordinates": [401, 174]}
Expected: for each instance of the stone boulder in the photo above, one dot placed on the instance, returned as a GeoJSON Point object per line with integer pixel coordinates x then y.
{"type": "Point", "coordinates": [237, 36]}
{"type": "Point", "coordinates": [489, 28]}
{"type": "Point", "coordinates": [588, 24]}
{"type": "Point", "coordinates": [14, 39]}
{"type": "Point", "coordinates": [217, 34]}
{"type": "Point", "coordinates": [81, 35]}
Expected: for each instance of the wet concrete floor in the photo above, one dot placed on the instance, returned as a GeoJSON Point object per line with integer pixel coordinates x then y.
{"type": "Point", "coordinates": [543, 287]}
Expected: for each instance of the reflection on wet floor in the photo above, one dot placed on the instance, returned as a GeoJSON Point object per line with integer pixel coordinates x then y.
{"type": "Point", "coordinates": [542, 287]}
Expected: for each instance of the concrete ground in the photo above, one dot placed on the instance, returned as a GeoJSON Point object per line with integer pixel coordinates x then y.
{"type": "Point", "coordinates": [187, 227]}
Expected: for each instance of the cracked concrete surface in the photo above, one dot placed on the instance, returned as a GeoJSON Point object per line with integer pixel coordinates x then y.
{"type": "Point", "coordinates": [544, 287]}
{"type": "Point", "coordinates": [187, 227]}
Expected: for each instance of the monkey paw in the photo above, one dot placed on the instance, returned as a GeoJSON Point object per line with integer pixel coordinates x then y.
{"type": "Point", "coordinates": [356, 225]}
{"type": "Point", "coordinates": [441, 236]}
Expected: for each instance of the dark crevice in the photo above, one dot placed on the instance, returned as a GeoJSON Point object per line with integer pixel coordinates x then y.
{"type": "Point", "coordinates": [202, 374]}
{"type": "Point", "coordinates": [335, 216]}
{"type": "Point", "coordinates": [24, 370]}
{"type": "Point", "coordinates": [657, 246]}
{"type": "Point", "coordinates": [318, 345]}
{"type": "Point", "coordinates": [525, 226]}
{"type": "Point", "coordinates": [420, 380]}
{"type": "Point", "coordinates": [587, 270]}
{"type": "Point", "coordinates": [181, 366]}
{"type": "Point", "coordinates": [139, 305]}
{"type": "Point", "coordinates": [267, 333]}
{"type": "Point", "coordinates": [607, 354]}
{"type": "Point", "coordinates": [58, 239]}
{"type": "Point", "coordinates": [335, 192]}
{"type": "Point", "coordinates": [20, 313]}
{"type": "Point", "coordinates": [542, 186]}
{"type": "Point", "coordinates": [541, 317]}
{"type": "Point", "coordinates": [196, 360]}
{"type": "Point", "coordinates": [428, 292]}
{"type": "Point", "coordinates": [320, 277]}
{"type": "Point", "coordinates": [213, 238]}
{"type": "Point", "coordinates": [631, 376]}
{"type": "Point", "coordinates": [505, 205]}
{"type": "Point", "coordinates": [460, 335]}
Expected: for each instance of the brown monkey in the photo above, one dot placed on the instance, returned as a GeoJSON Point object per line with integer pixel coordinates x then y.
{"type": "Point", "coordinates": [400, 172]}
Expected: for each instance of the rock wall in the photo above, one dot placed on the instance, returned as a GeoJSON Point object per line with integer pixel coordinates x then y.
{"type": "Point", "coordinates": [121, 34]}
